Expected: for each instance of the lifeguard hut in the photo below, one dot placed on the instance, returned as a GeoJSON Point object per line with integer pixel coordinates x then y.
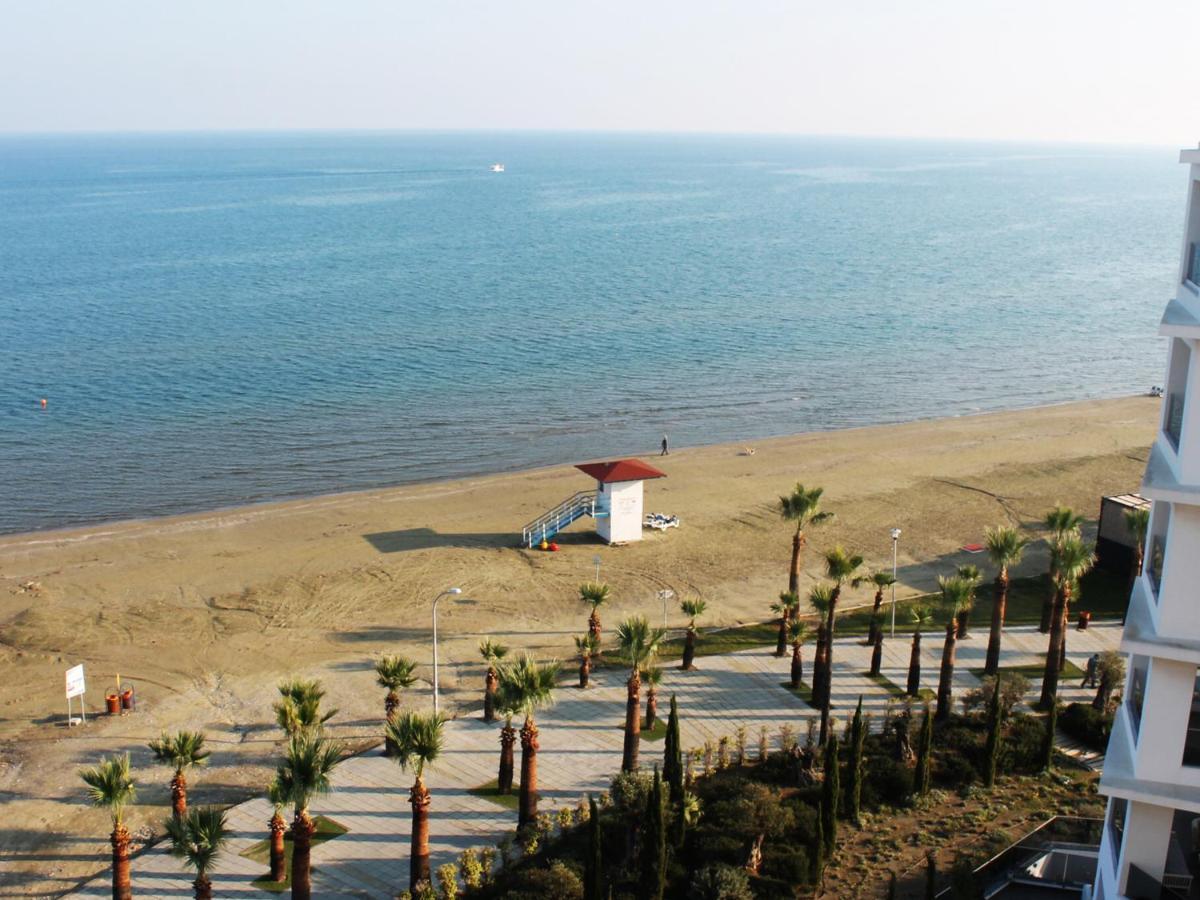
{"type": "Point", "coordinates": [615, 504]}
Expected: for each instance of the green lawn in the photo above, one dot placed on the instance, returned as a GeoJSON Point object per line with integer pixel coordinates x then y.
{"type": "Point", "coordinates": [327, 829]}
{"type": "Point", "coordinates": [1101, 593]}
{"type": "Point", "coordinates": [489, 791]}
{"type": "Point", "coordinates": [804, 692]}
{"type": "Point", "coordinates": [657, 733]}
{"type": "Point", "coordinates": [1035, 671]}
{"type": "Point", "coordinates": [896, 691]}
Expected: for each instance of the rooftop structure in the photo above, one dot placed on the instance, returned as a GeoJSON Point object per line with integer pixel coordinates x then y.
{"type": "Point", "coordinates": [615, 504]}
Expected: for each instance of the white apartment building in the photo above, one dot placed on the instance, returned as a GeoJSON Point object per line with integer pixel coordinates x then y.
{"type": "Point", "coordinates": [1152, 769]}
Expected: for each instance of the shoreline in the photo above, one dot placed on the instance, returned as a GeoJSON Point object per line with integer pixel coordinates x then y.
{"type": "Point", "coordinates": [78, 533]}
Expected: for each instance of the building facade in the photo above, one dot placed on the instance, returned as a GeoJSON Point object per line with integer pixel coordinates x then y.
{"type": "Point", "coordinates": [1152, 768]}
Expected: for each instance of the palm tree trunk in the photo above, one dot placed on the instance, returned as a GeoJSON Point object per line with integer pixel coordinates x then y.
{"type": "Point", "coordinates": [1048, 603]}
{"type": "Point", "coordinates": [529, 797]}
{"type": "Point", "coordinates": [689, 649]}
{"type": "Point", "coordinates": [651, 707]}
{"type": "Point", "coordinates": [1050, 678]}
{"type": "Point", "coordinates": [633, 723]}
{"type": "Point", "coordinates": [992, 664]}
{"type": "Point", "coordinates": [508, 737]}
{"type": "Point", "coordinates": [781, 638]}
{"type": "Point", "coordinates": [1062, 635]}
{"type": "Point", "coordinates": [418, 866]}
{"type": "Point", "coordinates": [390, 704]}
{"type": "Point", "coordinates": [585, 671]}
{"type": "Point", "coordinates": [122, 886]}
{"type": "Point", "coordinates": [818, 669]}
{"type": "Point", "coordinates": [278, 858]}
{"type": "Point", "coordinates": [490, 684]}
{"type": "Point", "coordinates": [797, 666]}
{"type": "Point", "coordinates": [179, 795]}
{"type": "Point", "coordinates": [947, 673]}
{"type": "Point", "coordinates": [827, 668]}
{"type": "Point", "coordinates": [794, 569]}
{"type": "Point", "coordinates": [203, 887]}
{"type": "Point", "coordinates": [875, 627]}
{"type": "Point", "coordinates": [302, 832]}
{"type": "Point", "coordinates": [877, 653]}
{"type": "Point", "coordinates": [913, 687]}
{"type": "Point", "coordinates": [964, 622]}
{"type": "Point", "coordinates": [594, 625]}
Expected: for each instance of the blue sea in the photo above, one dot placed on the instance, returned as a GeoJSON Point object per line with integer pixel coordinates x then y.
{"type": "Point", "coordinates": [229, 318]}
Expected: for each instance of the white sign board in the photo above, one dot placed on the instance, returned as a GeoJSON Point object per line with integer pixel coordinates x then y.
{"type": "Point", "coordinates": [75, 682]}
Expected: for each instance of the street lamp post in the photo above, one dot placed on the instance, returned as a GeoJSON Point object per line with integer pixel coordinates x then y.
{"type": "Point", "coordinates": [895, 541]}
{"type": "Point", "coordinates": [664, 596]}
{"type": "Point", "coordinates": [449, 592]}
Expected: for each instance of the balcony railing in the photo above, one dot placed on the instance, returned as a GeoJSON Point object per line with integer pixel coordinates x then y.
{"type": "Point", "coordinates": [1141, 886]}
{"type": "Point", "coordinates": [1173, 425]}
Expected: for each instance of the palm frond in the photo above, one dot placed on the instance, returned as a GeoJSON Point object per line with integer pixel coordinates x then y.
{"type": "Point", "coordinates": [803, 506]}
{"type": "Point", "coordinates": [110, 785]}
{"type": "Point", "coordinates": [1138, 523]}
{"type": "Point", "coordinates": [395, 672]}
{"type": "Point", "coordinates": [417, 738]}
{"type": "Point", "coordinates": [199, 837]}
{"type": "Point", "coordinates": [1074, 559]}
{"type": "Point", "coordinates": [882, 579]}
{"type": "Point", "coordinates": [970, 573]}
{"type": "Point", "coordinates": [307, 766]}
{"type": "Point", "coordinates": [840, 565]}
{"type": "Point", "coordinates": [692, 607]}
{"type": "Point", "coordinates": [594, 593]}
{"type": "Point", "coordinates": [956, 593]}
{"type": "Point", "coordinates": [1005, 546]}
{"type": "Point", "coordinates": [1062, 521]}
{"type": "Point", "coordinates": [181, 750]}
{"type": "Point", "coordinates": [586, 644]}
{"type": "Point", "coordinates": [492, 651]}
{"type": "Point", "coordinates": [798, 631]}
{"type": "Point", "coordinates": [921, 614]}
{"type": "Point", "coordinates": [526, 684]}
{"type": "Point", "coordinates": [652, 675]}
{"type": "Point", "coordinates": [820, 598]}
{"type": "Point", "coordinates": [637, 641]}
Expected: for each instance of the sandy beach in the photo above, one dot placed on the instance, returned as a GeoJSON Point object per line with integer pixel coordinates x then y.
{"type": "Point", "coordinates": [205, 613]}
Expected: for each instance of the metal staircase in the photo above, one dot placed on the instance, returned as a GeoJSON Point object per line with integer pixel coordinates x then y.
{"type": "Point", "coordinates": [551, 523]}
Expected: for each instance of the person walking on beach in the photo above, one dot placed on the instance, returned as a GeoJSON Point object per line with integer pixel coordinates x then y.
{"type": "Point", "coordinates": [664, 450]}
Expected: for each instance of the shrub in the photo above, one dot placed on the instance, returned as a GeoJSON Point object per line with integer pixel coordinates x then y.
{"type": "Point", "coordinates": [954, 771]}
{"type": "Point", "coordinates": [785, 863]}
{"type": "Point", "coordinates": [720, 882]}
{"type": "Point", "coordinates": [887, 782]}
{"type": "Point", "coordinates": [1013, 689]}
{"type": "Point", "coordinates": [559, 881]}
{"type": "Point", "coordinates": [1021, 751]}
{"type": "Point", "coordinates": [1086, 724]}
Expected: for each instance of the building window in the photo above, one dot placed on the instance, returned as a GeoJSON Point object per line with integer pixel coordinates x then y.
{"type": "Point", "coordinates": [1193, 264]}
{"type": "Point", "coordinates": [1191, 744]}
{"type": "Point", "coordinates": [1136, 692]}
{"type": "Point", "coordinates": [1157, 548]}
{"type": "Point", "coordinates": [1118, 809]}
{"type": "Point", "coordinates": [1174, 421]}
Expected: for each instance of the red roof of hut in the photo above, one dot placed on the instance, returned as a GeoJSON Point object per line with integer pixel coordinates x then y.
{"type": "Point", "coordinates": [621, 470]}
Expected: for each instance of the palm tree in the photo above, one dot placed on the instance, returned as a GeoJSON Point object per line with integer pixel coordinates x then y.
{"type": "Point", "coordinates": [277, 826]}
{"type": "Point", "coordinates": [1074, 559]}
{"type": "Point", "coordinates": [820, 598]}
{"type": "Point", "coordinates": [785, 608]}
{"type": "Point", "coordinates": [587, 647]}
{"type": "Point", "coordinates": [1005, 546]}
{"type": "Point", "coordinates": [956, 596]}
{"type": "Point", "coordinates": [181, 751]}
{"type": "Point", "coordinates": [882, 581]}
{"type": "Point", "coordinates": [299, 707]}
{"type": "Point", "coordinates": [417, 738]}
{"type": "Point", "coordinates": [596, 595]}
{"type": "Point", "coordinates": [921, 616]}
{"type": "Point", "coordinates": [638, 644]}
{"type": "Point", "coordinates": [1138, 523]}
{"type": "Point", "coordinates": [303, 774]}
{"type": "Point", "coordinates": [802, 506]}
{"type": "Point", "coordinates": [840, 567]}
{"type": "Point", "coordinates": [527, 685]}
{"type": "Point", "coordinates": [693, 609]}
{"type": "Point", "coordinates": [492, 652]}
{"type": "Point", "coordinates": [651, 677]}
{"type": "Point", "coordinates": [396, 673]}
{"type": "Point", "coordinates": [197, 839]}
{"type": "Point", "coordinates": [798, 633]}
{"type": "Point", "coordinates": [1060, 522]}
{"type": "Point", "coordinates": [111, 786]}
{"type": "Point", "coordinates": [508, 738]}
{"type": "Point", "coordinates": [972, 576]}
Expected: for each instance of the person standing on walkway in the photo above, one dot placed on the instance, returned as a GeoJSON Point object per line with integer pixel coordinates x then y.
{"type": "Point", "coordinates": [664, 446]}
{"type": "Point", "coordinates": [1089, 674]}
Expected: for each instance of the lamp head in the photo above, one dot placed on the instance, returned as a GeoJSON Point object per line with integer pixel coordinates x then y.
{"type": "Point", "coordinates": [895, 534]}
{"type": "Point", "coordinates": [454, 591]}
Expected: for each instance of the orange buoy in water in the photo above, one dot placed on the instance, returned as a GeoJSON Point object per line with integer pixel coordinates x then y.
{"type": "Point", "coordinates": [43, 403]}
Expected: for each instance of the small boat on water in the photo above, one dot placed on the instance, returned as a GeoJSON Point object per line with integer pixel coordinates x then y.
{"type": "Point", "coordinates": [497, 167]}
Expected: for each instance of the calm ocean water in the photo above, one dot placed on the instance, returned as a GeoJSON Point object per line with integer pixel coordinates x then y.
{"type": "Point", "coordinates": [219, 319]}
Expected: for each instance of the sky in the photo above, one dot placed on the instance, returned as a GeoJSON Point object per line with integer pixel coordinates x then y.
{"type": "Point", "coordinates": [1124, 71]}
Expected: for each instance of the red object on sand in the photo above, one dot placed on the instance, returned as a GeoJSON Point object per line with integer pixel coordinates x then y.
{"type": "Point", "coordinates": [973, 548]}
{"type": "Point", "coordinates": [553, 547]}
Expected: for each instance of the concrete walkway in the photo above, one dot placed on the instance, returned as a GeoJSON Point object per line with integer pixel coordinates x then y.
{"type": "Point", "coordinates": [581, 741]}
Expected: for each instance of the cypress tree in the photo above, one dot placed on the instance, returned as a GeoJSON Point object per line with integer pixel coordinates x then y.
{"type": "Point", "coordinates": [593, 875]}
{"type": "Point", "coordinates": [816, 854]}
{"type": "Point", "coordinates": [854, 768]}
{"type": "Point", "coordinates": [654, 850]}
{"type": "Point", "coordinates": [992, 748]}
{"type": "Point", "coordinates": [891, 894]}
{"type": "Point", "coordinates": [831, 792]}
{"type": "Point", "coordinates": [930, 875]}
{"type": "Point", "coordinates": [923, 775]}
{"type": "Point", "coordinates": [1048, 740]}
{"type": "Point", "coordinates": [673, 756]}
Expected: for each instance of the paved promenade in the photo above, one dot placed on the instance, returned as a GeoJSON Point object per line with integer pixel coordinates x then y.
{"type": "Point", "coordinates": [580, 751]}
